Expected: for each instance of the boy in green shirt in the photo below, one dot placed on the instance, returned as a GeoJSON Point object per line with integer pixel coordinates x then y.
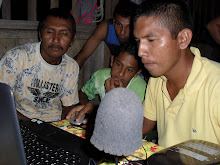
{"type": "Point", "coordinates": [124, 72]}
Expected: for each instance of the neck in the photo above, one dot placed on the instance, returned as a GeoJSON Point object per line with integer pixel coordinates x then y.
{"type": "Point", "coordinates": [177, 79]}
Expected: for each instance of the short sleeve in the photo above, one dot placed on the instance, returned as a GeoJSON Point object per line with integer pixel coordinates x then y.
{"type": "Point", "coordinates": [70, 96]}
{"type": "Point", "coordinates": [9, 66]}
{"type": "Point", "coordinates": [89, 88]}
{"type": "Point", "coordinates": [149, 102]}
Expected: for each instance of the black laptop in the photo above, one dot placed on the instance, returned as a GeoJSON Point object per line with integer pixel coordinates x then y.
{"type": "Point", "coordinates": [36, 142]}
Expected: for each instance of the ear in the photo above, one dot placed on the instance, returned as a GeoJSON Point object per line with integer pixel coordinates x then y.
{"type": "Point", "coordinates": [184, 38]}
{"type": "Point", "coordinates": [39, 35]}
{"type": "Point", "coordinates": [73, 40]}
{"type": "Point", "coordinates": [112, 60]}
{"type": "Point", "coordinates": [113, 21]}
{"type": "Point", "coordinates": [138, 72]}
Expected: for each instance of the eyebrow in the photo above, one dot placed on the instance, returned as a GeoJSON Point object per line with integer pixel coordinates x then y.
{"type": "Point", "coordinates": [121, 23]}
{"type": "Point", "coordinates": [50, 28]}
{"type": "Point", "coordinates": [150, 35]}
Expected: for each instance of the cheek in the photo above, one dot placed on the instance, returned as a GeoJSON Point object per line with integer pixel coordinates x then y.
{"type": "Point", "coordinates": [117, 29]}
{"type": "Point", "coordinates": [129, 76]}
{"type": "Point", "coordinates": [127, 31]}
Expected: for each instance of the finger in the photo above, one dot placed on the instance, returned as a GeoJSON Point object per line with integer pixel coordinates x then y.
{"type": "Point", "coordinates": [80, 115]}
{"type": "Point", "coordinates": [85, 121]}
{"type": "Point", "coordinates": [112, 84]}
{"type": "Point", "coordinates": [120, 84]}
{"type": "Point", "coordinates": [73, 111]}
{"type": "Point", "coordinates": [107, 84]}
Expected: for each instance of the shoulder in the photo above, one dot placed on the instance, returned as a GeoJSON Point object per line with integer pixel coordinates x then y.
{"type": "Point", "coordinates": [70, 62]}
{"type": "Point", "coordinates": [205, 67]}
{"type": "Point", "coordinates": [212, 68]}
{"type": "Point", "coordinates": [23, 50]}
{"type": "Point", "coordinates": [102, 72]}
{"type": "Point", "coordinates": [29, 47]}
{"type": "Point", "coordinates": [138, 83]}
{"type": "Point", "coordinates": [139, 80]}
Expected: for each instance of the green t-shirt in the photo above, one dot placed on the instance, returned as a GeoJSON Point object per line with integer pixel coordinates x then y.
{"type": "Point", "coordinates": [96, 85]}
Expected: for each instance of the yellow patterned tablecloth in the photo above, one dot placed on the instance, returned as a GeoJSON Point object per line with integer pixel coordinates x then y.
{"type": "Point", "coordinates": [147, 147]}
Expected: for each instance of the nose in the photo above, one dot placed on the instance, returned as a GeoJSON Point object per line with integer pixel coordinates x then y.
{"type": "Point", "coordinates": [123, 30]}
{"type": "Point", "coordinates": [56, 37]}
{"type": "Point", "coordinates": [122, 72]}
{"type": "Point", "coordinates": [142, 49]}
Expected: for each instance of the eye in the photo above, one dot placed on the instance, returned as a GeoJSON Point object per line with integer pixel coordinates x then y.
{"type": "Point", "coordinates": [118, 64]}
{"type": "Point", "coordinates": [118, 23]}
{"type": "Point", "coordinates": [64, 33]}
{"type": "Point", "coordinates": [151, 40]}
{"type": "Point", "coordinates": [130, 70]}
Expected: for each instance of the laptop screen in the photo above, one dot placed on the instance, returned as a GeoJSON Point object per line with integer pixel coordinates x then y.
{"type": "Point", "coordinates": [11, 145]}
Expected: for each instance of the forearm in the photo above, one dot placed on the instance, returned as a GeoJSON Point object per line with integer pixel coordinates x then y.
{"type": "Point", "coordinates": [86, 51]}
{"type": "Point", "coordinates": [21, 116]}
{"type": "Point", "coordinates": [148, 126]}
{"type": "Point", "coordinates": [83, 98]}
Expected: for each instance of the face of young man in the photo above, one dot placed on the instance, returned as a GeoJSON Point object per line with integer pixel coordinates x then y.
{"type": "Point", "coordinates": [160, 53]}
{"type": "Point", "coordinates": [122, 28]}
{"type": "Point", "coordinates": [124, 68]}
{"type": "Point", "coordinates": [56, 38]}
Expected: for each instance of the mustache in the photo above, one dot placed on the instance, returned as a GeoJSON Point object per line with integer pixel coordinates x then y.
{"type": "Point", "coordinates": [56, 46]}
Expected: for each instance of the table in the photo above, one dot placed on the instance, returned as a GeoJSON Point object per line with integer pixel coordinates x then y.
{"type": "Point", "coordinates": [147, 147]}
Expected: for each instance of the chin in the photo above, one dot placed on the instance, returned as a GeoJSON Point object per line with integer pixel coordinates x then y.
{"type": "Point", "coordinates": [155, 75]}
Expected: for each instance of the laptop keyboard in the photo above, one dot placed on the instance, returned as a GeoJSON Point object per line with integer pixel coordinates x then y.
{"type": "Point", "coordinates": [39, 151]}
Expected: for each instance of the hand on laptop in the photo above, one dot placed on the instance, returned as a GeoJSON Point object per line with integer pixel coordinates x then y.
{"type": "Point", "coordinates": [80, 111]}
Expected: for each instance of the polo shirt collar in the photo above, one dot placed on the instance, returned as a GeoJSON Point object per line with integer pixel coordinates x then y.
{"type": "Point", "coordinates": [194, 81]}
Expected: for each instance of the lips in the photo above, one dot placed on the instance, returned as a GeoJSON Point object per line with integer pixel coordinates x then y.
{"type": "Point", "coordinates": [56, 47]}
{"type": "Point", "coordinates": [123, 38]}
{"type": "Point", "coordinates": [116, 79]}
{"type": "Point", "coordinates": [148, 64]}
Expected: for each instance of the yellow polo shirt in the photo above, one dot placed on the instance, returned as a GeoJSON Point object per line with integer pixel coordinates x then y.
{"type": "Point", "coordinates": [195, 111]}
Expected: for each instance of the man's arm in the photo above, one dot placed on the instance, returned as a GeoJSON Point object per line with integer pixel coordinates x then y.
{"type": "Point", "coordinates": [148, 125]}
{"type": "Point", "coordinates": [83, 98]}
{"type": "Point", "coordinates": [66, 110]}
{"type": "Point", "coordinates": [81, 109]}
{"type": "Point", "coordinates": [92, 43]}
{"type": "Point", "coordinates": [21, 116]}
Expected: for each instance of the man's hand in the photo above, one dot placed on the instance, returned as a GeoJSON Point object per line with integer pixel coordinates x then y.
{"type": "Point", "coordinates": [79, 111]}
{"type": "Point", "coordinates": [74, 111]}
{"type": "Point", "coordinates": [110, 84]}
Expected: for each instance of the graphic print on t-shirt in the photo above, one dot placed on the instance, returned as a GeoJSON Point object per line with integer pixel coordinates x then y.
{"type": "Point", "coordinates": [43, 92]}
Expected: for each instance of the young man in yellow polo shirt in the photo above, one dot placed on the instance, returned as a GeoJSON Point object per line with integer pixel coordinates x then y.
{"type": "Point", "coordinates": [183, 95]}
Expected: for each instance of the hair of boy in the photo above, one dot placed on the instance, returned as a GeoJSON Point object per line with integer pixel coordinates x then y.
{"type": "Point", "coordinates": [60, 13]}
{"type": "Point", "coordinates": [131, 49]}
{"type": "Point", "coordinates": [174, 14]}
{"type": "Point", "coordinates": [124, 8]}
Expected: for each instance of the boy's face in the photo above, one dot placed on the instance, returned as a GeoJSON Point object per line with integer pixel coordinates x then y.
{"type": "Point", "coordinates": [56, 38]}
{"type": "Point", "coordinates": [122, 28]}
{"type": "Point", "coordinates": [160, 53]}
{"type": "Point", "coordinates": [124, 68]}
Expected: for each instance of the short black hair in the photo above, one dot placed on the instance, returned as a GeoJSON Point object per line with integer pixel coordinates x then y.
{"type": "Point", "coordinates": [60, 13]}
{"type": "Point", "coordinates": [124, 8]}
{"type": "Point", "coordinates": [131, 49]}
{"type": "Point", "coordinates": [174, 14]}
